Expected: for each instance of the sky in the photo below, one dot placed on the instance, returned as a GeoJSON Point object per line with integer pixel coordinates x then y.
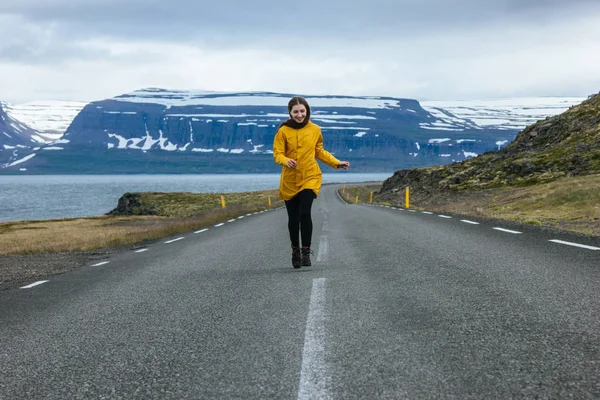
{"type": "Point", "coordinates": [87, 50]}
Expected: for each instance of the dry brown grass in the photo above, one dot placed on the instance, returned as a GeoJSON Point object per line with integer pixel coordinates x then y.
{"type": "Point", "coordinates": [351, 192]}
{"type": "Point", "coordinates": [82, 234]}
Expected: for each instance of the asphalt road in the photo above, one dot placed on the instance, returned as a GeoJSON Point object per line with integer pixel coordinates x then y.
{"type": "Point", "coordinates": [397, 305]}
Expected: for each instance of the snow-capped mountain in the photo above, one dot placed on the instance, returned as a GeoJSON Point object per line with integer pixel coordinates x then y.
{"type": "Point", "coordinates": [510, 114]}
{"type": "Point", "coordinates": [157, 130]}
{"type": "Point", "coordinates": [50, 118]}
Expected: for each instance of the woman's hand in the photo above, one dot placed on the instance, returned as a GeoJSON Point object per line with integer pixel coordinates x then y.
{"type": "Point", "coordinates": [292, 163]}
{"type": "Point", "coordinates": [343, 165]}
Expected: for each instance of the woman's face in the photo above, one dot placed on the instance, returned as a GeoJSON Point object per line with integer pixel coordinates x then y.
{"type": "Point", "coordinates": [298, 113]}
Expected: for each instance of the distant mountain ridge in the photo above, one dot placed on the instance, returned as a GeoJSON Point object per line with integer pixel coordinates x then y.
{"type": "Point", "coordinates": [164, 131]}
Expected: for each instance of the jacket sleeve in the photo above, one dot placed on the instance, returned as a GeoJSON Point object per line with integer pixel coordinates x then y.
{"type": "Point", "coordinates": [324, 155]}
{"type": "Point", "coordinates": [279, 149]}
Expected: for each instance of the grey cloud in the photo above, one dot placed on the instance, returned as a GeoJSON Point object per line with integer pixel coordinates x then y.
{"type": "Point", "coordinates": [234, 21]}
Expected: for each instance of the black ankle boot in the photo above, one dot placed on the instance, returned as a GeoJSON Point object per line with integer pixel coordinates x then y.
{"type": "Point", "coordinates": [306, 256]}
{"type": "Point", "coordinates": [296, 257]}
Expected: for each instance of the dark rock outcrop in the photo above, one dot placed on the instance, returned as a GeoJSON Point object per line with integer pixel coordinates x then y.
{"type": "Point", "coordinates": [131, 204]}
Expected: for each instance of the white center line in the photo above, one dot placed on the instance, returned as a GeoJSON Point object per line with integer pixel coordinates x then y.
{"type": "Point", "coordinates": [469, 222]}
{"type": "Point", "coordinates": [141, 250]}
{"type": "Point", "coordinates": [445, 216]}
{"type": "Point", "coordinates": [583, 246]}
{"type": "Point", "coordinates": [201, 230]}
{"type": "Point", "coordinates": [218, 225]}
{"type": "Point", "coordinates": [33, 284]}
{"type": "Point", "coordinates": [314, 379]}
{"type": "Point", "coordinates": [322, 249]}
{"type": "Point", "coordinates": [506, 230]}
{"type": "Point", "coordinates": [174, 240]}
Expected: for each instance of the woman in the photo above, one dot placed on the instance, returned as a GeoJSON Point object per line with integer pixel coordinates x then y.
{"type": "Point", "coordinates": [297, 143]}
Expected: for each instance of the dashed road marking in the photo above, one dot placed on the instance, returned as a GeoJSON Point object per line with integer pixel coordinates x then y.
{"type": "Point", "coordinates": [507, 230]}
{"type": "Point", "coordinates": [583, 246]}
{"type": "Point", "coordinates": [445, 216]}
{"type": "Point", "coordinates": [141, 250]}
{"type": "Point", "coordinates": [314, 377]}
{"type": "Point", "coordinates": [174, 240]}
{"type": "Point", "coordinates": [201, 230]}
{"type": "Point", "coordinates": [100, 263]}
{"type": "Point", "coordinates": [466, 221]}
{"type": "Point", "coordinates": [33, 284]}
{"type": "Point", "coordinates": [322, 249]}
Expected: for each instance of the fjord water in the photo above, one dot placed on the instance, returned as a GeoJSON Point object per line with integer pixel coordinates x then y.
{"type": "Point", "coordinates": [43, 197]}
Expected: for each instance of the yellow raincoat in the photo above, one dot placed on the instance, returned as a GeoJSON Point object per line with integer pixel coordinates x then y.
{"type": "Point", "coordinates": [302, 145]}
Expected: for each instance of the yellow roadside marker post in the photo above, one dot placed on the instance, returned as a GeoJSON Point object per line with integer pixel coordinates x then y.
{"type": "Point", "coordinates": [222, 201]}
{"type": "Point", "coordinates": [356, 201]}
{"type": "Point", "coordinates": [371, 198]}
{"type": "Point", "coordinates": [407, 197]}
{"type": "Point", "coordinates": [269, 201]}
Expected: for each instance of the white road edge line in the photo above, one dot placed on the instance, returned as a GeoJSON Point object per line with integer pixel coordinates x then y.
{"type": "Point", "coordinates": [174, 240]}
{"type": "Point", "coordinates": [240, 217]}
{"type": "Point", "coordinates": [583, 246]}
{"type": "Point", "coordinates": [506, 230]}
{"type": "Point", "coordinates": [33, 284]}
{"type": "Point", "coordinates": [322, 255]}
{"type": "Point", "coordinates": [427, 212]}
{"type": "Point", "coordinates": [466, 221]}
{"type": "Point", "coordinates": [100, 263]}
{"type": "Point", "coordinates": [218, 225]}
{"type": "Point", "coordinates": [141, 250]}
{"type": "Point", "coordinates": [231, 220]}
{"type": "Point", "coordinates": [340, 197]}
{"type": "Point", "coordinates": [314, 379]}
{"type": "Point", "coordinates": [445, 216]}
{"type": "Point", "coordinates": [201, 230]}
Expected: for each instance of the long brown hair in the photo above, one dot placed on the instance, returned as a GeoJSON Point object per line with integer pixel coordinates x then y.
{"type": "Point", "coordinates": [290, 122]}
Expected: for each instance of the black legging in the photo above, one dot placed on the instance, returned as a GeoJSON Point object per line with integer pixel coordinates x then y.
{"type": "Point", "coordinates": [299, 219]}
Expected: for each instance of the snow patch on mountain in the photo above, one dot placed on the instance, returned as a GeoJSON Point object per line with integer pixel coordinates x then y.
{"type": "Point", "coordinates": [184, 98]}
{"type": "Point", "coordinates": [50, 118]}
{"type": "Point", "coordinates": [511, 113]}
